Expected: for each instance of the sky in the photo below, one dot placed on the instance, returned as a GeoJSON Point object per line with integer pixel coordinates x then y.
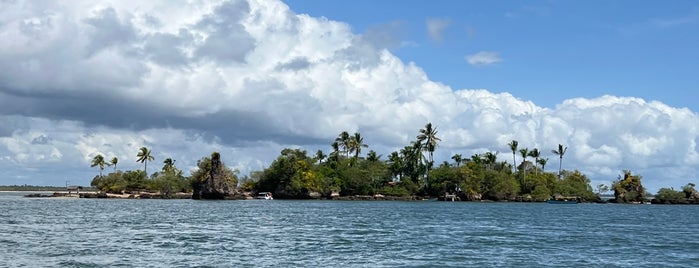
{"type": "Point", "coordinates": [615, 82]}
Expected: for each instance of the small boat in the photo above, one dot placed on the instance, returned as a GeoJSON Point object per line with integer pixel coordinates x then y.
{"type": "Point", "coordinates": [562, 201]}
{"type": "Point", "coordinates": [264, 195]}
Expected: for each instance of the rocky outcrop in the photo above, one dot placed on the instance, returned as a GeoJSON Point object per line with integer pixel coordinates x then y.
{"type": "Point", "coordinates": [216, 186]}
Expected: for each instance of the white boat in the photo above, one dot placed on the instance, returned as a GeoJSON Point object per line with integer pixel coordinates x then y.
{"type": "Point", "coordinates": [264, 195]}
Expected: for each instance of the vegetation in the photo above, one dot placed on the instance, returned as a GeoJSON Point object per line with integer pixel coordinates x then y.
{"type": "Point", "coordinates": [409, 172]}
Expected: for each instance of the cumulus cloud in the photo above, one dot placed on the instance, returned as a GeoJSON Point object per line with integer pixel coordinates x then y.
{"type": "Point", "coordinates": [249, 78]}
{"type": "Point", "coordinates": [483, 58]}
{"type": "Point", "coordinates": [436, 27]}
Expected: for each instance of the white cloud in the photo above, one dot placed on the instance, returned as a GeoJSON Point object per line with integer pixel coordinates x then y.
{"type": "Point", "coordinates": [248, 79]}
{"type": "Point", "coordinates": [436, 27]}
{"type": "Point", "coordinates": [484, 58]}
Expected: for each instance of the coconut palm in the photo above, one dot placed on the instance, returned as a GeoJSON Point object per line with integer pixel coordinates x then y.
{"type": "Point", "coordinates": [372, 156]}
{"type": "Point", "coordinates": [356, 144]}
{"type": "Point", "coordinates": [169, 165]}
{"type": "Point", "coordinates": [144, 156]}
{"type": "Point", "coordinates": [99, 161]}
{"type": "Point", "coordinates": [560, 152]}
{"type": "Point", "coordinates": [542, 162]}
{"type": "Point", "coordinates": [457, 159]}
{"type": "Point", "coordinates": [320, 156]}
{"type": "Point", "coordinates": [114, 162]}
{"type": "Point", "coordinates": [535, 153]}
{"type": "Point", "coordinates": [490, 159]}
{"type": "Point", "coordinates": [428, 137]}
{"type": "Point", "coordinates": [343, 142]}
{"type": "Point", "coordinates": [513, 146]}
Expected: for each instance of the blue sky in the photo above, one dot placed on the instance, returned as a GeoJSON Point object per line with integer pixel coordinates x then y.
{"type": "Point", "coordinates": [248, 78]}
{"type": "Point", "coordinates": [550, 50]}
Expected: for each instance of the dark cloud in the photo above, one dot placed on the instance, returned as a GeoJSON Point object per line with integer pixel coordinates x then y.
{"type": "Point", "coordinates": [108, 30]}
{"type": "Point", "coordinates": [167, 49]}
{"type": "Point", "coordinates": [296, 64]}
{"type": "Point", "coordinates": [42, 140]}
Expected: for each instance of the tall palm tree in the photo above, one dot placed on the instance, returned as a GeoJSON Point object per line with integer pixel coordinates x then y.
{"type": "Point", "coordinates": [99, 161]}
{"type": "Point", "coordinates": [457, 159]}
{"type": "Point", "coordinates": [513, 146]}
{"type": "Point", "coordinates": [542, 162]}
{"type": "Point", "coordinates": [356, 144]}
{"type": "Point", "coordinates": [114, 162]}
{"type": "Point", "coordinates": [144, 156]}
{"type": "Point", "coordinates": [524, 152]}
{"type": "Point", "coordinates": [343, 141]}
{"type": "Point", "coordinates": [560, 152]}
{"type": "Point", "coordinates": [535, 153]}
{"type": "Point", "coordinates": [428, 137]}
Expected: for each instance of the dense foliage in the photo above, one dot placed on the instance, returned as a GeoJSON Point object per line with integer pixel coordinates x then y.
{"type": "Point", "coordinates": [408, 172]}
{"type": "Point", "coordinates": [411, 172]}
{"type": "Point", "coordinates": [168, 181]}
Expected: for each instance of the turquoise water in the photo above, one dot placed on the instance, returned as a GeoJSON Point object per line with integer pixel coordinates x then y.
{"type": "Point", "coordinates": [186, 233]}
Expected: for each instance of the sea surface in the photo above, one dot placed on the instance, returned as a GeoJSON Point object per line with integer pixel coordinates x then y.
{"type": "Point", "coordinates": [54, 232]}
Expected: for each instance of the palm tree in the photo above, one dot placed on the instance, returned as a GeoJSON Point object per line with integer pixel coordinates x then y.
{"type": "Point", "coordinates": [320, 156]}
{"type": "Point", "coordinates": [343, 142]}
{"type": "Point", "coordinates": [99, 161]}
{"type": "Point", "coordinates": [114, 162]}
{"type": "Point", "coordinates": [144, 155]}
{"type": "Point", "coordinates": [169, 165]}
{"type": "Point", "coordinates": [560, 152]}
{"type": "Point", "coordinates": [372, 156]}
{"type": "Point", "coordinates": [513, 146]}
{"type": "Point", "coordinates": [457, 159]}
{"type": "Point", "coordinates": [542, 162]}
{"type": "Point", "coordinates": [490, 159]}
{"type": "Point", "coordinates": [428, 137]}
{"type": "Point", "coordinates": [535, 153]}
{"type": "Point", "coordinates": [396, 165]}
{"type": "Point", "coordinates": [357, 143]}
{"type": "Point", "coordinates": [524, 152]}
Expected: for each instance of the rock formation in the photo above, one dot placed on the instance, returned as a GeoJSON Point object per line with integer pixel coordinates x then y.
{"type": "Point", "coordinates": [216, 185]}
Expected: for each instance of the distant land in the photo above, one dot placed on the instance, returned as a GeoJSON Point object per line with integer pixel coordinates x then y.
{"type": "Point", "coordinates": [38, 188]}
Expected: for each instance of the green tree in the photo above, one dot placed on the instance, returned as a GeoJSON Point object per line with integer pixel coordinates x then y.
{"type": "Point", "coordinates": [356, 144]}
{"type": "Point", "coordinates": [343, 143]}
{"type": "Point", "coordinates": [513, 146]}
{"type": "Point", "coordinates": [114, 162]}
{"type": "Point", "coordinates": [144, 156]}
{"type": "Point", "coordinates": [372, 156]}
{"type": "Point", "coordinates": [560, 152]}
{"type": "Point", "coordinates": [429, 140]}
{"type": "Point", "coordinates": [670, 196]}
{"type": "Point", "coordinates": [320, 156]}
{"type": "Point", "coordinates": [536, 154]}
{"type": "Point", "coordinates": [543, 162]}
{"type": "Point", "coordinates": [457, 159]}
{"type": "Point", "coordinates": [98, 161]}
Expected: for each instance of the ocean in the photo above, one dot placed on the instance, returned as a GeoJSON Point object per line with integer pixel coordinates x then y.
{"type": "Point", "coordinates": [61, 232]}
